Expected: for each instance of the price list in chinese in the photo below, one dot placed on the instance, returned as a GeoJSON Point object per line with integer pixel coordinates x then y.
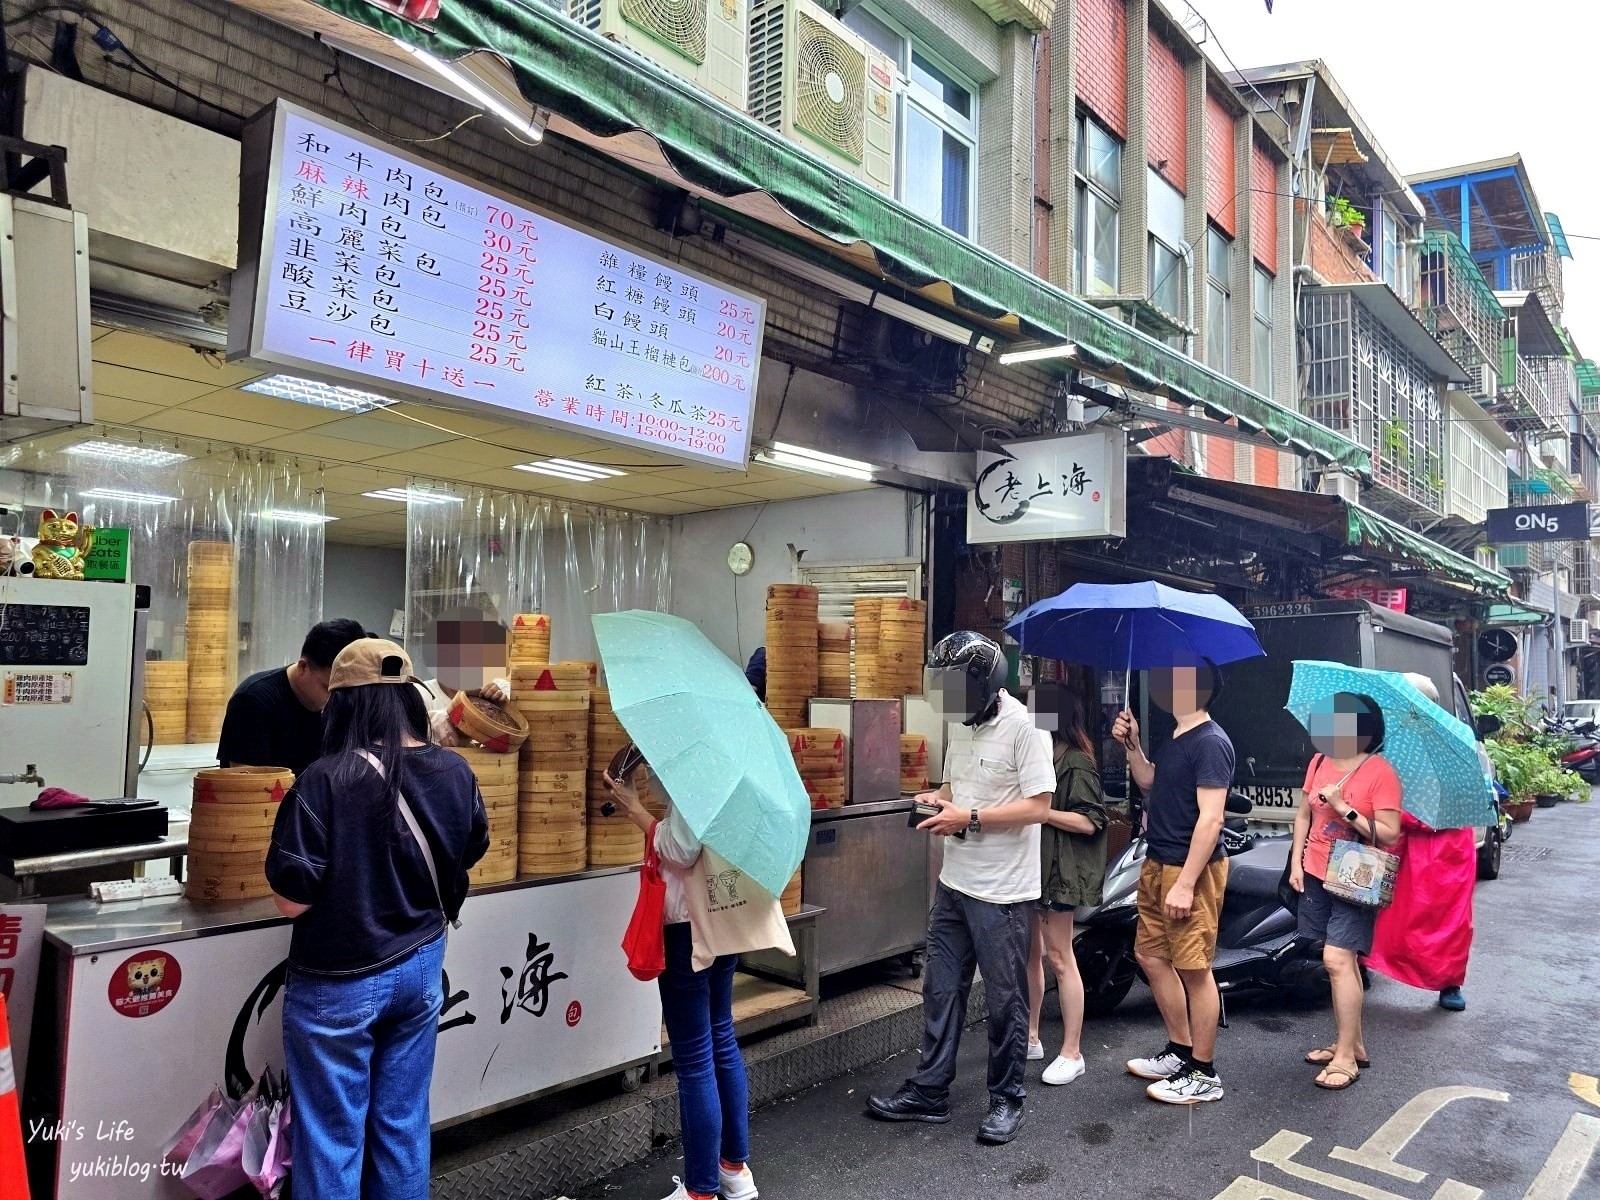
{"type": "Point", "coordinates": [380, 271]}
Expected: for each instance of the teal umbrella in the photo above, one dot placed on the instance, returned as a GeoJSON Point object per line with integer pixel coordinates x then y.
{"type": "Point", "coordinates": [1435, 755]}
{"type": "Point", "coordinates": [723, 760]}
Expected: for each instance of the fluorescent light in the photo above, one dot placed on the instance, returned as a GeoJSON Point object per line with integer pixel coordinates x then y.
{"type": "Point", "coordinates": [124, 452]}
{"type": "Point", "coordinates": [414, 496]}
{"type": "Point", "coordinates": [529, 124]}
{"type": "Point", "coordinates": [566, 468]}
{"type": "Point", "coordinates": [105, 493]}
{"type": "Point", "coordinates": [297, 516]}
{"type": "Point", "coordinates": [815, 462]}
{"type": "Point", "coordinates": [318, 394]}
{"type": "Point", "coordinates": [1035, 353]}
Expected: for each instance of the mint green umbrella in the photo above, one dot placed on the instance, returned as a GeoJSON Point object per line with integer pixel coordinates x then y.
{"type": "Point", "coordinates": [724, 762]}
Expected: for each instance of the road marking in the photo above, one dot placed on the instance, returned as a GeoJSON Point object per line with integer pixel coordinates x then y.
{"type": "Point", "coordinates": [1279, 1151]}
{"type": "Point", "coordinates": [1585, 1088]}
{"type": "Point", "coordinates": [1378, 1152]}
{"type": "Point", "coordinates": [1565, 1167]}
{"type": "Point", "coordinates": [1245, 1188]}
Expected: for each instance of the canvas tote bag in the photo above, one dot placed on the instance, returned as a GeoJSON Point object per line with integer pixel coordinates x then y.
{"type": "Point", "coordinates": [729, 913]}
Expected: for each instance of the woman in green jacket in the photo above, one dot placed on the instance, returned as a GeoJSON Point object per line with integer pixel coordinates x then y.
{"type": "Point", "coordinates": [1072, 848]}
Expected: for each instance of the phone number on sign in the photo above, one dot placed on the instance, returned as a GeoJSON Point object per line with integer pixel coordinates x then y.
{"type": "Point", "coordinates": [680, 434]}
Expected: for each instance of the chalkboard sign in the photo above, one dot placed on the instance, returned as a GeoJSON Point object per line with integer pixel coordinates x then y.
{"type": "Point", "coordinates": [44, 635]}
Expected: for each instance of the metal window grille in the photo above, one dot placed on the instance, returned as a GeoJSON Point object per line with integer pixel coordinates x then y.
{"type": "Point", "coordinates": [1540, 271]}
{"type": "Point", "coordinates": [1458, 306]}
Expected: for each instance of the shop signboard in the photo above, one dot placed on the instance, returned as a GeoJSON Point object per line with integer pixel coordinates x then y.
{"type": "Point", "coordinates": [1384, 597]}
{"type": "Point", "coordinates": [369, 267]}
{"type": "Point", "coordinates": [1538, 523]}
{"type": "Point", "coordinates": [108, 557]}
{"type": "Point", "coordinates": [21, 940]}
{"type": "Point", "coordinates": [536, 994]}
{"type": "Point", "coordinates": [1050, 488]}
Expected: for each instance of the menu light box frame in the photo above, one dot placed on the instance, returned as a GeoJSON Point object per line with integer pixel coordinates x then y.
{"type": "Point", "coordinates": [345, 276]}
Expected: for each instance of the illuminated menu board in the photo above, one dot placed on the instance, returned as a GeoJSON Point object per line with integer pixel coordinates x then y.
{"type": "Point", "coordinates": [378, 270]}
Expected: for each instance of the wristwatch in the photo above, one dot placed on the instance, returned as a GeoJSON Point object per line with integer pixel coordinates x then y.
{"type": "Point", "coordinates": [974, 825]}
{"type": "Point", "coordinates": [1352, 817]}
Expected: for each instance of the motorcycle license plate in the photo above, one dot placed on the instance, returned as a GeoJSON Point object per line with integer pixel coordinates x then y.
{"type": "Point", "coordinates": [1271, 803]}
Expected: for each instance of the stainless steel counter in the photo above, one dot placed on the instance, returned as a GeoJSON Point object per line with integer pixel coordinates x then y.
{"type": "Point", "coordinates": [81, 927]}
{"type": "Point", "coordinates": [901, 805]}
{"type": "Point", "coordinates": [28, 872]}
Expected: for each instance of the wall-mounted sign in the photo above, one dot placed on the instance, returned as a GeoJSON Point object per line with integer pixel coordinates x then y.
{"type": "Point", "coordinates": [1499, 675]}
{"type": "Point", "coordinates": [1539, 523]}
{"type": "Point", "coordinates": [108, 557]}
{"type": "Point", "coordinates": [1043, 489]}
{"type": "Point", "coordinates": [1497, 645]}
{"type": "Point", "coordinates": [1393, 598]}
{"type": "Point", "coordinates": [363, 265]}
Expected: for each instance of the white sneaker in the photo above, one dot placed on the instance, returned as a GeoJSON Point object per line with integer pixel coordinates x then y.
{"type": "Point", "coordinates": [679, 1192]}
{"type": "Point", "coordinates": [1157, 1066]}
{"type": "Point", "coordinates": [738, 1186]}
{"type": "Point", "coordinates": [1035, 1051]}
{"type": "Point", "coordinates": [1193, 1086]}
{"type": "Point", "coordinates": [1063, 1070]}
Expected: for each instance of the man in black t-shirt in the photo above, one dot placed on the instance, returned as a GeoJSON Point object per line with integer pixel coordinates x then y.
{"type": "Point", "coordinates": [274, 718]}
{"type": "Point", "coordinates": [1181, 885]}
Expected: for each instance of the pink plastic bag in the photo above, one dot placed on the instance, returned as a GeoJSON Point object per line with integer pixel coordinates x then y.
{"type": "Point", "coordinates": [188, 1136]}
{"type": "Point", "coordinates": [266, 1148]}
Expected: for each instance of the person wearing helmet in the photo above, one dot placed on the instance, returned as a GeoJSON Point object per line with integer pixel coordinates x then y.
{"type": "Point", "coordinates": [999, 783]}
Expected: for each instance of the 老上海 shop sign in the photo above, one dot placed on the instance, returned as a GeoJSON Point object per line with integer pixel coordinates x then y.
{"type": "Point", "coordinates": [1044, 489]}
{"type": "Point", "coordinates": [366, 266]}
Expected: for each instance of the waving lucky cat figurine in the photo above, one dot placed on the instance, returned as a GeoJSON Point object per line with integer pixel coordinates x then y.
{"type": "Point", "coordinates": [63, 545]}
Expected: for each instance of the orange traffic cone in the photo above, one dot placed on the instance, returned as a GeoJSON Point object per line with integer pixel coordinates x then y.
{"type": "Point", "coordinates": [13, 1168]}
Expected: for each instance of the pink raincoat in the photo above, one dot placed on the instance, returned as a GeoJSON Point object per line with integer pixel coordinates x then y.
{"type": "Point", "coordinates": [1424, 937]}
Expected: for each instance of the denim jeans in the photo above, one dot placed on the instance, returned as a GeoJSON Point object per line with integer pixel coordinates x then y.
{"type": "Point", "coordinates": [360, 1057]}
{"type": "Point", "coordinates": [713, 1093]}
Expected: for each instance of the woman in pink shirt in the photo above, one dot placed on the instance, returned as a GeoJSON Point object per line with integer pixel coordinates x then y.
{"type": "Point", "coordinates": [1351, 794]}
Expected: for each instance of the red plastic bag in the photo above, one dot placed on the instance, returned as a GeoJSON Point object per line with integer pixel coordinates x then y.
{"type": "Point", "coordinates": [645, 942]}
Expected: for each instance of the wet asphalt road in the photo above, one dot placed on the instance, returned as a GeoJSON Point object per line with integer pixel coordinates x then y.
{"type": "Point", "coordinates": [1533, 1021]}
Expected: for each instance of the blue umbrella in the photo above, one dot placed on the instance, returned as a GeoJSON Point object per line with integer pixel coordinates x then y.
{"type": "Point", "coordinates": [724, 761]}
{"type": "Point", "coordinates": [1134, 626]}
{"type": "Point", "coordinates": [1435, 755]}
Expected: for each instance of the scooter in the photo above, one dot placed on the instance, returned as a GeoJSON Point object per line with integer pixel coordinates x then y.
{"type": "Point", "coordinates": [1584, 758]}
{"type": "Point", "coordinates": [1257, 944]}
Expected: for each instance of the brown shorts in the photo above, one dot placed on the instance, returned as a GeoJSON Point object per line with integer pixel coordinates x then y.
{"type": "Point", "coordinates": [1189, 944]}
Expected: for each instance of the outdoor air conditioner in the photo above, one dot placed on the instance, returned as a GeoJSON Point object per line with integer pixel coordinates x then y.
{"type": "Point", "coordinates": [1578, 632]}
{"type": "Point", "coordinates": [820, 85]}
{"type": "Point", "coordinates": [702, 41]}
{"type": "Point", "coordinates": [1488, 381]}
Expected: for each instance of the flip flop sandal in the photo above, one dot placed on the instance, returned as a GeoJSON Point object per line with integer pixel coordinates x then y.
{"type": "Point", "coordinates": [1349, 1078]}
{"type": "Point", "coordinates": [1324, 1056]}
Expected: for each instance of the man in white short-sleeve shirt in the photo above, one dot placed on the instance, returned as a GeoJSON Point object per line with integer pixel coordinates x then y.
{"type": "Point", "coordinates": [999, 781]}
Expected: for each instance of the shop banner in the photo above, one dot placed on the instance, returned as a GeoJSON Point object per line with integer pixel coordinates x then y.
{"type": "Point", "coordinates": [1538, 523]}
{"type": "Point", "coordinates": [361, 264]}
{"type": "Point", "coordinates": [1393, 598]}
{"type": "Point", "coordinates": [1045, 489]}
{"type": "Point", "coordinates": [21, 941]}
{"type": "Point", "coordinates": [536, 993]}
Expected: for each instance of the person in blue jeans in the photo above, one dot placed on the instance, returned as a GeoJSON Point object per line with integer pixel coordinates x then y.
{"type": "Point", "coordinates": [369, 855]}
{"type": "Point", "coordinates": [697, 1008]}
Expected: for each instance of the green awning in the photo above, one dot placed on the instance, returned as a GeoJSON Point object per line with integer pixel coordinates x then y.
{"type": "Point", "coordinates": [1367, 528]}
{"type": "Point", "coordinates": [669, 128]}
{"type": "Point", "coordinates": [1514, 614]}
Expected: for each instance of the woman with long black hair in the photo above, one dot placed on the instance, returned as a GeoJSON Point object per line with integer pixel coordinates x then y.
{"type": "Point", "coordinates": [1072, 849]}
{"type": "Point", "coordinates": [369, 855]}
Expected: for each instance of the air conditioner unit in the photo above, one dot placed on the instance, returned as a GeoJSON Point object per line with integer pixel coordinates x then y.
{"type": "Point", "coordinates": [1346, 487]}
{"type": "Point", "coordinates": [703, 41]}
{"type": "Point", "coordinates": [820, 85]}
{"type": "Point", "coordinates": [1578, 632]}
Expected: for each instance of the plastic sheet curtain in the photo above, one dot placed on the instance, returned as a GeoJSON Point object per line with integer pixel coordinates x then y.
{"type": "Point", "coordinates": [216, 494]}
{"type": "Point", "coordinates": [506, 553]}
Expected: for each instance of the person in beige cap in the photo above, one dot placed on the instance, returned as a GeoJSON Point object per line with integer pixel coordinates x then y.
{"type": "Point", "coordinates": [369, 856]}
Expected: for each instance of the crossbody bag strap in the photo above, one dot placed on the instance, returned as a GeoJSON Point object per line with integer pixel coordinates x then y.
{"type": "Point", "coordinates": [410, 818]}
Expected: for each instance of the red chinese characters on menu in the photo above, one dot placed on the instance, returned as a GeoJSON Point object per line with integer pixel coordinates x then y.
{"type": "Point", "coordinates": [387, 270]}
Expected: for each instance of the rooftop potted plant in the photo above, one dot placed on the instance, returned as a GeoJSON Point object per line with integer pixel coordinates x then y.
{"type": "Point", "coordinates": [1346, 215]}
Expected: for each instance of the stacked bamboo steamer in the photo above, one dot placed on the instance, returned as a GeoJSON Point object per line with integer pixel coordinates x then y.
{"type": "Point", "coordinates": [790, 900]}
{"type": "Point", "coordinates": [833, 659]}
{"type": "Point", "coordinates": [614, 841]}
{"type": "Point", "coordinates": [554, 697]}
{"type": "Point", "coordinates": [913, 763]}
{"type": "Point", "coordinates": [902, 634]}
{"type": "Point", "coordinates": [819, 757]}
{"type": "Point", "coordinates": [528, 643]}
{"type": "Point", "coordinates": [213, 632]}
{"type": "Point", "coordinates": [166, 691]}
{"type": "Point", "coordinates": [791, 651]}
{"type": "Point", "coordinates": [868, 613]}
{"type": "Point", "coordinates": [230, 829]}
{"type": "Point", "coordinates": [496, 773]}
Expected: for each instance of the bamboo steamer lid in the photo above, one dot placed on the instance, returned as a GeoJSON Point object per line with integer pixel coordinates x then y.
{"type": "Point", "coordinates": [528, 639]}
{"type": "Point", "coordinates": [552, 677]}
{"type": "Point", "coordinates": [243, 785]}
{"type": "Point", "coordinates": [498, 729]}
